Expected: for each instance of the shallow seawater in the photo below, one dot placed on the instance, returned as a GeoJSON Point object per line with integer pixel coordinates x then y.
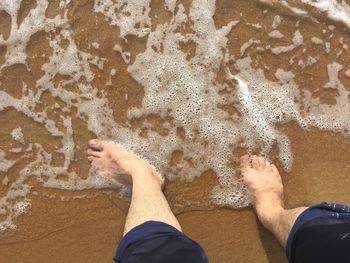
{"type": "Point", "coordinates": [188, 85]}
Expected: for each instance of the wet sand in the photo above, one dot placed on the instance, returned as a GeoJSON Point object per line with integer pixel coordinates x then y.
{"type": "Point", "coordinates": [88, 228]}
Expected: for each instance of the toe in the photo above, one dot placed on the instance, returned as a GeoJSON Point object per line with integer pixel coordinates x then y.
{"type": "Point", "coordinates": [262, 162]}
{"type": "Point", "coordinates": [96, 145]}
{"type": "Point", "coordinates": [274, 168]}
{"type": "Point", "coordinates": [93, 153]}
{"type": "Point", "coordinates": [244, 161]}
{"type": "Point", "coordinates": [268, 166]}
{"type": "Point", "coordinates": [255, 162]}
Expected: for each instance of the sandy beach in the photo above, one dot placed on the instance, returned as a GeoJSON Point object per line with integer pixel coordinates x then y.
{"type": "Point", "coordinates": [86, 225]}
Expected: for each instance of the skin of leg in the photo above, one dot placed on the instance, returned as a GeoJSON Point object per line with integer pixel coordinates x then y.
{"type": "Point", "coordinates": [265, 186]}
{"type": "Point", "coordinates": [282, 223]}
{"type": "Point", "coordinates": [148, 202]}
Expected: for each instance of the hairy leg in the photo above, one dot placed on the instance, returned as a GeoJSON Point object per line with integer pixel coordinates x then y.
{"type": "Point", "coordinates": [282, 224]}
{"type": "Point", "coordinates": [265, 186]}
{"type": "Point", "coordinates": [148, 202]}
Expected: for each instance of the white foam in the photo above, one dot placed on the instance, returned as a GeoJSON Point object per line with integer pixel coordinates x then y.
{"type": "Point", "coordinates": [294, 9]}
{"type": "Point", "coordinates": [5, 164]}
{"type": "Point", "coordinates": [276, 21]}
{"type": "Point", "coordinates": [183, 89]}
{"type": "Point", "coordinates": [276, 34]}
{"type": "Point", "coordinates": [22, 207]}
{"type": "Point", "coordinates": [127, 14]}
{"type": "Point", "coordinates": [18, 135]}
{"type": "Point", "coordinates": [327, 47]}
{"type": "Point", "coordinates": [170, 4]}
{"type": "Point", "coordinates": [255, 25]}
{"type": "Point", "coordinates": [19, 36]}
{"type": "Point", "coordinates": [336, 10]}
{"type": "Point", "coordinates": [248, 44]}
{"type": "Point", "coordinates": [316, 41]}
{"type": "Point", "coordinates": [297, 41]}
{"type": "Point", "coordinates": [311, 60]}
{"type": "Point", "coordinates": [95, 45]}
{"type": "Point", "coordinates": [333, 72]}
{"type": "Point", "coordinates": [125, 55]}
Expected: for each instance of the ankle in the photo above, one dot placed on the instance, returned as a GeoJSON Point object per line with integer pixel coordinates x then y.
{"type": "Point", "coordinates": [146, 176]}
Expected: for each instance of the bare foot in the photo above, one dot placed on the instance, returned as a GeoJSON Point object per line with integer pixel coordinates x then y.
{"type": "Point", "coordinates": [112, 161]}
{"type": "Point", "coordinates": [265, 187]}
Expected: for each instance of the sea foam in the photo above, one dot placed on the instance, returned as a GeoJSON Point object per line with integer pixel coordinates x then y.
{"type": "Point", "coordinates": [183, 91]}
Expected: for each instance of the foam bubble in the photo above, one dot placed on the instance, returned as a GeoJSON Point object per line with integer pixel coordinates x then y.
{"type": "Point", "coordinates": [276, 22]}
{"type": "Point", "coordinates": [316, 41]}
{"type": "Point", "coordinates": [18, 135]}
{"type": "Point", "coordinates": [275, 34]}
{"type": "Point", "coordinates": [22, 207]}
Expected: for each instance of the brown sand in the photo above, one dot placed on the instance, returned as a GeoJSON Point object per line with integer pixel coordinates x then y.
{"type": "Point", "coordinates": [88, 229]}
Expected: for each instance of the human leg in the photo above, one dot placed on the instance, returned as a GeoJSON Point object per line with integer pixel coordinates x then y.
{"type": "Point", "coordinates": [148, 202]}
{"type": "Point", "coordinates": [318, 234]}
{"type": "Point", "coordinates": [266, 189]}
{"type": "Point", "coordinates": [152, 232]}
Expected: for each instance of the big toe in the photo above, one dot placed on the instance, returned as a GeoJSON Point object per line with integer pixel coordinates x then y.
{"type": "Point", "coordinates": [96, 144]}
{"type": "Point", "coordinates": [93, 153]}
{"type": "Point", "coordinates": [255, 162]}
{"type": "Point", "coordinates": [269, 166]}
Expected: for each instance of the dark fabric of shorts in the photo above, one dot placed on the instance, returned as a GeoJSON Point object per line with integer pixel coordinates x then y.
{"type": "Point", "coordinates": [157, 242]}
{"type": "Point", "coordinates": [321, 234]}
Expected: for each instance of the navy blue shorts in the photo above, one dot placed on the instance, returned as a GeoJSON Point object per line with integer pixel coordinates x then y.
{"type": "Point", "coordinates": [321, 234]}
{"type": "Point", "coordinates": [157, 242]}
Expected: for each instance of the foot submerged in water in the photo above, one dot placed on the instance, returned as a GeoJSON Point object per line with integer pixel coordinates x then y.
{"type": "Point", "coordinates": [112, 161]}
{"type": "Point", "coordinates": [265, 186]}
